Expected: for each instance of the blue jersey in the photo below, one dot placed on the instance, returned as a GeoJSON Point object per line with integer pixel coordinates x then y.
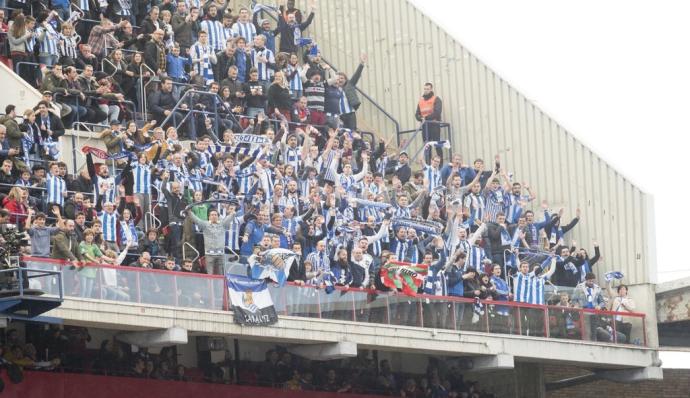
{"type": "Point", "coordinates": [217, 33]}
{"type": "Point", "coordinates": [433, 176]}
{"type": "Point", "coordinates": [142, 178]}
{"type": "Point", "coordinates": [264, 69]}
{"type": "Point", "coordinates": [55, 187]}
{"type": "Point", "coordinates": [245, 29]}
{"type": "Point", "coordinates": [522, 287]}
{"type": "Point", "coordinates": [109, 222]}
{"type": "Point", "coordinates": [204, 55]}
{"type": "Point", "coordinates": [49, 43]}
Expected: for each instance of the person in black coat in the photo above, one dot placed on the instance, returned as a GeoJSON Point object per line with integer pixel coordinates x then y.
{"type": "Point", "coordinates": [162, 102]}
{"type": "Point", "coordinates": [567, 268]}
{"type": "Point", "coordinates": [400, 168]}
{"type": "Point", "coordinates": [49, 124]}
{"type": "Point", "coordinates": [287, 25]}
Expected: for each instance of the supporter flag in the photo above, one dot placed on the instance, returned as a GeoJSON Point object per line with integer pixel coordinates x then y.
{"type": "Point", "coordinates": [609, 276]}
{"type": "Point", "coordinates": [251, 301]}
{"type": "Point", "coordinates": [275, 265]}
{"type": "Point", "coordinates": [404, 277]}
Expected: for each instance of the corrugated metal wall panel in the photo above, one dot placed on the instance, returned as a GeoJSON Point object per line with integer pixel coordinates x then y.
{"type": "Point", "coordinates": [488, 115]}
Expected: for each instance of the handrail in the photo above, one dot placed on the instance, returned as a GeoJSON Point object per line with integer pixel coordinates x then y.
{"type": "Point", "coordinates": [142, 87]}
{"type": "Point", "coordinates": [415, 132]}
{"type": "Point", "coordinates": [353, 289]}
{"type": "Point", "coordinates": [65, 263]}
{"type": "Point", "coordinates": [49, 67]}
{"type": "Point", "coordinates": [371, 100]}
{"type": "Point", "coordinates": [522, 310]}
{"type": "Point", "coordinates": [189, 96]}
{"type": "Point", "coordinates": [103, 61]}
{"type": "Point", "coordinates": [359, 90]}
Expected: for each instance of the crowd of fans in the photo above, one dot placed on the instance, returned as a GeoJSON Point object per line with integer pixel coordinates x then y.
{"type": "Point", "coordinates": [276, 161]}
{"type": "Point", "coordinates": [66, 350]}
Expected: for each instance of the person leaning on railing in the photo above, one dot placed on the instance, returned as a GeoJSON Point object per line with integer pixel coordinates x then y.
{"type": "Point", "coordinates": [65, 245]}
{"type": "Point", "coordinates": [621, 302]}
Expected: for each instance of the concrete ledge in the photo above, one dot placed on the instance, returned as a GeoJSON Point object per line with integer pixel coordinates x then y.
{"type": "Point", "coordinates": [138, 317]}
{"type": "Point", "coordinates": [155, 338]}
{"type": "Point", "coordinates": [493, 362]}
{"type": "Point", "coordinates": [633, 375]}
{"type": "Point", "coordinates": [322, 352]}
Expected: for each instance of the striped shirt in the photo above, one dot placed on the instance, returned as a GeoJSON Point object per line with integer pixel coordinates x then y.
{"type": "Point", "coordinates": [217, 34]}
{"type": "Point", "coordinates": [400, 249]}
{"type": "Point", "coordinates": [108, 192]}
{"type": "Point", "coordinates": [495, 203]}
{"type": "Point", "coordinates": [476, 204]}
{"type": "Point", "coordinates": [296, 80]}
{"type": "Point", "coordinates": [537, 290]}
{"type": "Point", "coordinates": [512, 206]}
{"type": "Point", "coordinates": [245, 178]}
{"type": "Point", "coordinates": [55, 187]}
{"type": "Point", "coordinates": [475, 256]}
{"type": "Point", "coordinates": [293, 157]}
{"type": "Point", "coordinates": [266, 182]}
{"type": "Point", "coordinates": [433, 176]}
{"type": "Point", "coordinates": [232, 234]}
{"type": "Point", "coordinates": [205, 55]}
{"type": "Point", "coordinates": [522, 286]}
{"type": "Point", "coordinates": [68, 46]}
{"type": "Point", "coordinates": [49, 42]}
{"type": "Point", "coordinates": [328, 166]}
{"type": "Point", "coordinates": [319, 261]}
{"type": "Point", "coordinates": [344, 104]}
{"type": "Point", "coordinates": [126, 7]}
{"type": "Point", "coordinates": [109, 222]}
{"type": "Point", "coordinates": [142, 178]}
{"type": "Point", "coordinates": [289, 200]}
{"type": "Point", "coordinates": [244, 29]}
{"type": "Point", "coordinates": [265, 72]}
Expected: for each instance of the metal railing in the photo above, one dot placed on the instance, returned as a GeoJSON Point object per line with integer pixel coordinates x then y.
{"type": "Point", "coordinates": [139, 285]}
{"type": "Point", "coordinates": [359, 90]}
{"type": "Point", "coordinates": [21, 279]}
{"type": "Point", "coordinates": [373, 102]}
{"type": "Point", "coordinates": [414, 146]}
{"type": "Point", "coordinates": [143, 285]}
{"type": "Point", "coordinates": [189, 100]}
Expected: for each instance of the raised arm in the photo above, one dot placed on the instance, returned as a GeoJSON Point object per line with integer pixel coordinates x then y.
{"type": "Point", "coordinates": [552, 269]}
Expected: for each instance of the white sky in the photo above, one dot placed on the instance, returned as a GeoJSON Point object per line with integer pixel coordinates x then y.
{"type": "Point", "coordinates": [614, 73]}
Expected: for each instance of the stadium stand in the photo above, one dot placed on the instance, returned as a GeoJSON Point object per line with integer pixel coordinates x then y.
{"type": "Point", "coordinates": [223, 145]}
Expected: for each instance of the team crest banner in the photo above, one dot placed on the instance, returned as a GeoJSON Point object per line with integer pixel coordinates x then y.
{"type": "Point", "coordinates": [251, 301]}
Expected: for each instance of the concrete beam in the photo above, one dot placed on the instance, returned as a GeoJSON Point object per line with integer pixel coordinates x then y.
{"type": "Point", "coordinates": [633, 375]}
{"type": "Point", "coordinates": [493, 362]}
{"type": "Point", "coordinates": [324, 352]}
{"type": "Point", "coordinates": [155, 338]}
{"type": "Point", "coordinates": [300, 331]}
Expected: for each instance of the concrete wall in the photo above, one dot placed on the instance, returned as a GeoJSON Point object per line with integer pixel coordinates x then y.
{"type": "Point", "coordinates": [676, 384]}
{"type": "Point", "coordinates": [293, 330]}
{"type": "Point", "coordinates": [488, 115]}
{"type": "Point", "coordinates": [16, 91]}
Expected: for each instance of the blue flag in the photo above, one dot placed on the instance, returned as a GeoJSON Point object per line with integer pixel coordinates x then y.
{"type": "Point", "coordinates": [275, 265]}
{"type": "Point", "coordinates": [251, 301]}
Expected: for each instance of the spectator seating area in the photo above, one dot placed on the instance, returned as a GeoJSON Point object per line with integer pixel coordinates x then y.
{"type": "Point", "coordinates": [227, 136]}
{"type": "Point", "coordinates": [65, 350]}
